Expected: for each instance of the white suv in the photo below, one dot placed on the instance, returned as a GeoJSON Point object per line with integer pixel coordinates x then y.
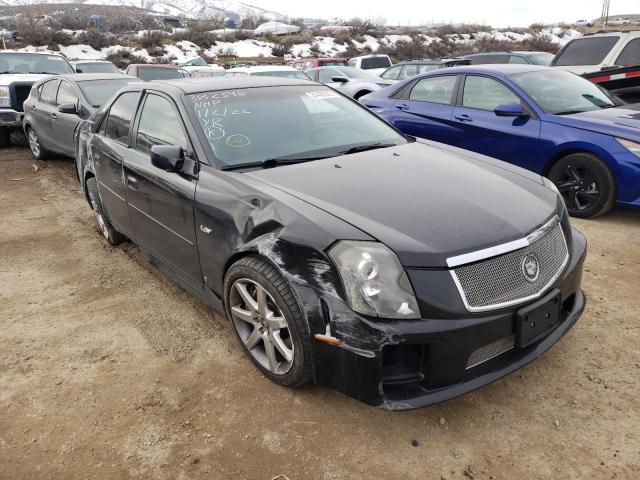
{"type": "Point", "coordinates": [595, 52]}
{"type": "Point", "coordinates": [375, 64]}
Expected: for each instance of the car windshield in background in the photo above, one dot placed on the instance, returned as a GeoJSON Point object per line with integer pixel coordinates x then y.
{"type": "Point", "coordinates": [97, 67]}
{"type": "Point", "coordinates": [99, 91]}
{"type": "Point", "coordinates": [586, 51]}
{"type": "Point", "coordinates": [287, 124]}
{"type": "Point", "coordinates": [375, 62]}
{"type": "Point", "coordinates": [559, 92]}
{"type": "Point", "coordinates": [198, 62]}
{"type": "Point", "coordinates": [158, 73]}
{"type": "Point", "coordinates": [34, 63]}
{"type": "Point", "coordinates": [332, 63]}
{"type": "Point", "coordinates": [283, 73]}
{"type": "Point", "coordinates": [543, 59]}
{"type": "Point", "coordinates": [358, 74]}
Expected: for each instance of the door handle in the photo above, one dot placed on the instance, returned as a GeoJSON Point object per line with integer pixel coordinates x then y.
{"type": "Point", "coordinates": [463, 117]}
{"type": "Point", "coordinates": [132, 182]}
{"type": "Point", "coordinates": [54, 116]}
{"type": "Point", "coordinates": [403, 107]}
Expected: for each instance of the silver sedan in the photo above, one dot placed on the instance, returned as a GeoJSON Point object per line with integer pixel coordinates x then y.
{"type": "Point", "coordinates": [354, 82]}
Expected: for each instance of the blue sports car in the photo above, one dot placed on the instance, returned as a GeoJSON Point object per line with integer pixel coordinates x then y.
{"type": "Point", "coordinates": [543, 119]}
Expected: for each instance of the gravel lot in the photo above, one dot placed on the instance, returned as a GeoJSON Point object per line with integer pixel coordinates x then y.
{"type": "Point", "coordinates": [108, 370]}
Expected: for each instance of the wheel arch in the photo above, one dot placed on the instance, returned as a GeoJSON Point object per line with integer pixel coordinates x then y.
{"type": "Point", "coordinates": [87, 175]}
{"type": "Point", "coordinates": [574, 149]}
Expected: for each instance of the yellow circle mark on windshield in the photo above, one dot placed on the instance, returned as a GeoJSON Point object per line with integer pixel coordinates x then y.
{"type": "Point", "coordinates": [238, 140]}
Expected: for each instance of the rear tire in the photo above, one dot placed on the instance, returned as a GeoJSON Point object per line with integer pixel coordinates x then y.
{"type": "Point", "coordinates": [108, 231]}
{"type": "Point", "coordinates": [585, 183]}
{"type": "Point", "coordinates": [5, 138]}
{"type": "Point", "coordinates": [267, 318]}
{"type": "Point", "coordinates": [37, 150]}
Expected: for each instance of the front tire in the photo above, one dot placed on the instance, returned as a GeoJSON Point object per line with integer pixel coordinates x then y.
{"type": "Point", "coordinates": [5, 138]}
{"type": "Point", "coordinates": [108, 231]}
{"type": "Point", "coordinates": [37, 150]}
{"type": "Point", "coordinates": [268, 321]}
{"type": "Point", "coordinates": [585, 183]}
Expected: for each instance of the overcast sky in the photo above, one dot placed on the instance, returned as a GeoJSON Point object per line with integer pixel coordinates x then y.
{"type": "Point", "coordinates": [498, 13]}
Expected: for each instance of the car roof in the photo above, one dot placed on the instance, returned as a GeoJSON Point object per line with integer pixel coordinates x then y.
{"type": "Point", "coordinates": [209, 84]}
{"type": "Point", "coordinates": [87, 77]}
{"type": "Point", "coordinates": [264, 68]}
{"type": "Point", "coordinates": [505, 52]}
{"type": "Point", "coordinates": [86, 60]}
{"type": "Point", "coordinates": [14, 52]}
{"type": "Point", "coordinates": [499, 69]}
{"type": "Point", "coordinates": [154, 65]}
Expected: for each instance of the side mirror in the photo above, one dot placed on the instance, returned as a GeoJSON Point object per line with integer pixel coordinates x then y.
{"type": "Point", "coordinates": [167, 157]}
{"type": "Point", "coordinates": [510, 110]}
{"type": "Point", "coordinates": [70, 108]}
{"type": "Point", "coordinates": [78, 70]}
{"type": "Point", "coordinates": [340, 79]}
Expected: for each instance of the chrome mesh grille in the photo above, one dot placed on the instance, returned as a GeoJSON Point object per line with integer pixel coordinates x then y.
{"type": "Point", "coordinates": [490, 351]}
{"type": "Point", "coordinates": [500, 281]}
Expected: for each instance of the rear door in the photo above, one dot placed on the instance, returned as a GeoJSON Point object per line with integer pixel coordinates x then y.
{"type": "Point", "coordinates": [44, 112]}
{"type": "Point", "coordinates": [161, 202]}
{"type": "Point", "coordinates": [108, 148]}
{"type": "Point", "coordinates": [65, 124]}
{"type": "Point", "coordinates": [513, 139]}
{"type": "Point", "coordinates": [426, 109]}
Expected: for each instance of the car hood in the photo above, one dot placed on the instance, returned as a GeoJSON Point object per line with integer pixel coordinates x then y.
{"type": "Point", "coordinates": [9, 78]}
{"type": "Point", "coordinates": [427, 202]}
{"type": "Point", "coordinates": [621, 121]}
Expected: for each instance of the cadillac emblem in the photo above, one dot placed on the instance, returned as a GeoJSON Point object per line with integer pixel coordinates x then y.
{"type": "Point", "coordinates": [531, 268]}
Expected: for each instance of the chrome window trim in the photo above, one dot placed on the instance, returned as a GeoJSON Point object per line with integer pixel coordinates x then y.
{"type": "Point", "coordinates": [486, 253]}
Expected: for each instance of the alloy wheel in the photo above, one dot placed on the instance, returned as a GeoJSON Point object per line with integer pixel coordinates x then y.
{"type": "Point", "coordinates": [34, 143]}
{"type": "Point", "coordinates": [261, 326]}
{"type": "Point", "coordinates": [578, 186]}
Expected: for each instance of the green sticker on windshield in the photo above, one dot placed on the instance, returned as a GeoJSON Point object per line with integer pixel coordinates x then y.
{"type": "Point", "coordinates": [238, 140]}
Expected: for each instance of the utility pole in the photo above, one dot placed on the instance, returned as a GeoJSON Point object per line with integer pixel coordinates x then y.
{"type": "Point", "coordinates": [605, 14]}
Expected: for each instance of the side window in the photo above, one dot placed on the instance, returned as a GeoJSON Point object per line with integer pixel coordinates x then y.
{"type": "Point", "coordinates": [435, 89]}
{"type": "Point", "coordinates": [159, 125]}
{"type": "Point", "coordinates": [517, 59]}
{"type": "Point", "coordinates": [486, 94]}
{"type": "Point", "coordinates": [630, 54]}
{"type": "Point", "coordinates": [409, 71]}
{"type": "Point", "coordinates": [352, 63]}
{"type": "Point", "coordinates": [326, 75]}
{"type": "Point", "coordinates": [66, 94]}
{"type": "Point", "coordinates": [48, 92]}
{"type": "Point", "coordinates": [120, 117]}
{"type": "Point", "coordinates": [392, 73]}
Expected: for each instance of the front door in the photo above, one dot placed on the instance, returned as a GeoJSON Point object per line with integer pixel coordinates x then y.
{"type": "Point", "coordinates": [512, 139]}
{"type": "Point", "coordinates": [161, 202]}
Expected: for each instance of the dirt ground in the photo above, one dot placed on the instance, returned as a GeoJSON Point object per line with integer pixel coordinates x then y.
{"type": "Point", "coordinates": [110, 371]}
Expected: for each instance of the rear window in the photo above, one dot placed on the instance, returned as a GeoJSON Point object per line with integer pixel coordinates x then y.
{"type": "Point", "coordinates": [586, 51]}
{"type": "Point", "coordinates": [156, 73]}
{"type": "Point", "coordinates": [487, 59]}
{"type": "Point", "coordinates": [98, 92]}
{"type": "Point", "coordinates": [375, 62]}
{"type": "Point", "coordinates": [331, 63]}
{"type": "Point", "coordinates": [630, 54]}
{"type": "Point", "coordinates": [98, 67]}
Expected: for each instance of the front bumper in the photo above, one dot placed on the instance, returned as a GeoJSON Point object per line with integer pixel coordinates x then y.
{"type": "Point", "coordinates": [400, 365]}
{"type": "Point", "coordinates": [10, 118]}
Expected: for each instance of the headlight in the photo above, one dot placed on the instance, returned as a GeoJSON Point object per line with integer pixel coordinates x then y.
{"type": "Point", "coordinates": [550, 185]}
{"type": "Point", "coordinates": [4, 97]}
{"type": "Point", "coordinates": [629, 145]}
{"type": "Point", "coordinates": [375, 282]}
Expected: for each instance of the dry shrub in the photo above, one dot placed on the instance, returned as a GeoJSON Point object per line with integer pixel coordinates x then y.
{"type": "Point", "coordinates": [123, 58]}
{"type": "Point", "coordinates": [152, 39]}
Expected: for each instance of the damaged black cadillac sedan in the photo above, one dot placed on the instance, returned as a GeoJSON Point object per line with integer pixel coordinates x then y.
{"type": "Point", "coordinates": [398, 271]}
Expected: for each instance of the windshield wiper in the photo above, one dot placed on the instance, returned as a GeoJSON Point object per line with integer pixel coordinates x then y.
{"type": "Point", "coordinates": [364, 148]}
{"type": "Point", "coordinates": [274, 162]}
{"type": "Point", "coordinates": [570, 112]}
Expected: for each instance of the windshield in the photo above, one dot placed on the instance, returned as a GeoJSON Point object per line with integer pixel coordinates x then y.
{"type": "Point", "coordinates": [198, 62]}
{"type": "Point", "coordinates": [34, 63]}
{"type": "Point", "coordinates": [331, 63]}
{"type": "Point", "coordinates": [159, 73]}
{"type": "Point", "coordinates": [559, 91]}
{"type": "Point", "coordinates": [543, 59]}
{"type": "Point", "coordinates": [375, 62]}
{"type": "Point", "coordinates": [97, 92]}
{"type": "Point", "coordinates": [586, 51]}
{"type": "Point", "coordinates": [97, 67]}
{"type": "Point", "coordinates": [283, 73]}
{"type": "Point", "coordinates": [358, 74]}
{"type": "Point", "coordinates": [252, 125]}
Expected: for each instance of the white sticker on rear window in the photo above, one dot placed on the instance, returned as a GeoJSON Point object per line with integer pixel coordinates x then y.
{"type": "Point", "coordinates": [52, 57]}
{"type": "Point", "coordinates": [322, 94]}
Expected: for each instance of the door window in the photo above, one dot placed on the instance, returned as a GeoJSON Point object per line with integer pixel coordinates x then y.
{"type": "Point", "coordinates": [392, 73]}
{"type": "Point", "coordinates": [408, 71]}
{"type": "Point", "coordinates": [486, 94]}
{"type": "Point", "coordinates": [630, 54]}
{"type": "Point", "coordinates": [159, 125]}
{"type": "Point", "coordinates": [434, 89]}
{"type": "Point", "coordinates": [66, 94]}
{"type": "Point", "coordinates": [517, 59]}
{"type": "Point", "coordinates": [48, 92]}
{"type": "Point", "coordinates": [120, 117]}
{"type": "Point", "coordinates": [326, 74]}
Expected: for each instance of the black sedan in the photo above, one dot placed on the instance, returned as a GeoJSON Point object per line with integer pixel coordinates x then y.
{"type": "Point", "coordinates": [399, 271]}
{"type": "Point", "coordinates": [56, 107]}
